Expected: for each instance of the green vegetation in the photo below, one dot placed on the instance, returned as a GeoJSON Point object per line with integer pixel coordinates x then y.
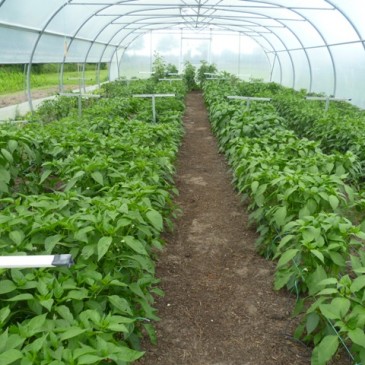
{"type": "Point", "coordinates": [189, 76]}
{"type": "Point", "coordinates": [13, 81]}
{"type": "Point", "coordinates": [302, 202]}
{"type": "Point", "coordinates": [204, 69]}
{"type": "Point", "coordinates": [100, 188]}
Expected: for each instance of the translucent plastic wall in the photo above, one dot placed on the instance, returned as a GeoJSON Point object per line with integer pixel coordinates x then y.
{"type": "Point", "coordinates": [318, 45]}
{"type": "Point", "coordinates": [231, 52]}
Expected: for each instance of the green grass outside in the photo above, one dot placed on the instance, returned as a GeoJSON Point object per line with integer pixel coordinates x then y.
{"type": "Point", "coordinates": [11, 82]}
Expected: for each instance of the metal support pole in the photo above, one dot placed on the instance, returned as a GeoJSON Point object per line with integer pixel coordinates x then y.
{"type": "Point", "coordinates": [79, 96]}
{"type": "Point", "coordinates": [153, 109]}
{"type": "Point", "coordinates": [171, 80]}
{"type": "Point", "coordinates": [327, 99]}
{"type": "Point", "coordinates": [79, 105]}
{"type": "Point", "coordinates": [153, 97]}
{"type": "Point", "coordinates": [248, 99]}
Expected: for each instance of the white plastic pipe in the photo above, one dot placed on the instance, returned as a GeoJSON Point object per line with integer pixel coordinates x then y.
{"type": "Point", "coordinates": [35, 261]}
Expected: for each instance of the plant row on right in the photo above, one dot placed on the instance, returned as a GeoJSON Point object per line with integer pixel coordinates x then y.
{"type": "Point", "coordinates": [299, 199]}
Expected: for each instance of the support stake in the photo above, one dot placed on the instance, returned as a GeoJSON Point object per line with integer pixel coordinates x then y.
{"type": "Point", "coordinates": [153, 97]}
{"type": "Point", "coordinates": [248, 99]}
{"type": "Point", "coordinates": [35, 261]}
{"type": "Point", "coordinates": [327, 99]}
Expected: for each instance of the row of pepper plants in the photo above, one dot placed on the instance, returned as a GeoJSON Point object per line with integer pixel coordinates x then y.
{"type": "Point", "coordinates": [301, 201]}
{"type": "Point", "coordinates": [341, 128]}
{"type": "Point", "coordinates": [99, 187]}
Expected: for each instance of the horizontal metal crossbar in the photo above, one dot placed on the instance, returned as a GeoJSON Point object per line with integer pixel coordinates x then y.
{"type": "Point", "coordinates": [152, 95]}
{"type": "Point", "coordinates": [248, 98]}
{"type": "Point", "coordinates": [77, 95]}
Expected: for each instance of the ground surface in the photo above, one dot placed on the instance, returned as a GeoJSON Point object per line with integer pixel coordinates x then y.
{"type": "Point", "coordinates": [219, 306]}
{"type": "Point", "coordinates": [21, 96]}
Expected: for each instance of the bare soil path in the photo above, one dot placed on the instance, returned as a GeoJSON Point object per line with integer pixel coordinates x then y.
{"type": "Point", "coordinates": [219, 307]}
{"type": "Point", "coordinates": [21, 96]}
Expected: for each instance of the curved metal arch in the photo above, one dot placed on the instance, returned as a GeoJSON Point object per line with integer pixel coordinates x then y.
{"type": "Point", "coordinates": [73, 37]}
{"type": "Point", "coordinates": [286, 26]}
{"type": "Point", "coordinates": [264, 2]}
{"type": "Point", "coordinates": [296, 36]}
{"type": "Point", "coordinates": [221, 26]}
{"type": "Point", "coordinates": [249, 12]}
{"type": "Point", "coordinates": [29, 94]}
{"type": "Point", "coordinates": [354, 28]}
{"type": "Point", "coordinates": [349, 20]}
{"type": "Point", "coordinates": [334, 70]}
{"type": "Point", "coordinates": [172, 7]}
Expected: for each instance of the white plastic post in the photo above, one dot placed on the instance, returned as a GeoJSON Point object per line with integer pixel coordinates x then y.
{"type": "Point", "coordinates": [327, 99]}
{"type": "Point", "coordinates": [153, 97]}
{"type": "Point", "coordinates": [248, 99]}
{"type": "Point", "coordinates": [35, 261]}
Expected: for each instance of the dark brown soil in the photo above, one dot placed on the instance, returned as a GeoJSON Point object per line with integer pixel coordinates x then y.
{"type": "Point", "coordinates": [219, 306]}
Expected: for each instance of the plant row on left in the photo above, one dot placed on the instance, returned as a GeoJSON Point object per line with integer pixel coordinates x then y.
{"type": "Point", "coordinates": [100, 188]}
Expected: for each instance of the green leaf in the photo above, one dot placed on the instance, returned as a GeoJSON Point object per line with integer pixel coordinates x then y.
{"type": "Point", "coordinates": [4, 175]}
{"type": "Point", "coordinates": [329, 312]}
{"type": "Point", "coordinates": [9, 356]}
{"type": "Point", "coordinates": [36, 324]}
{"type": "Point", "coordinates": [254, 186]}
{"type": "Point", "coordinates": [312, 206]}
{"type": "Point", "coordinates": [357, 336]}
{"type": "Point", "coordinates": [50, 242]}
{"type": "Point", "coordinates": [285, 240]}
{"type": "Point", "coordinates": [12, 145]}
{"type": "Point", "coordinates": [89, 359]}
{"type": "Point", "coordinates": [8, 156]}
{"type": "Point", "coordinates": [17, 237]}
{"type": "Point", "coordinates": [126, 354]}
{"type": "Point", "coordinates": [325, 350]}
{"type": "Point", "coordinates": [155, 218]}
{"type": "Point", "coordinates": [333, 200]}
{"type": "Point", "coordinates": [103, 246]}
{"type": "Point", "coordinates": [328, 291]}
{"type": "Point", "coordinates": [120, 303]}
{"type": "Point", "coordinates": [318, 254]}
{"type": "Point", "coordinates": [358, 284]}
{"type": "Point", "coordinates": [36, 345]}
{"type": "Point", "coordinates": [77, 294]}
{"type": "Point", "coordinates": [280, 216]}
{"type": "Point", "coordinates": [329, 281]}
{"type": "Point", "coordinates": [65, 313]}
{"type": "Point", "coordinates": [6, 286]}
{"type": "Point", "coordinates": [46, 303]}
{"type": "Point", "coordinates": [45, 175]}
{"type": "Point", "coordinates": [72, 332]}
{"type": "Point", "coordinates": [342, 305]}
{"type": "Point", "coordinates": [304, 212]}
{"type": "Point", "coordinates": [4, 314]}
{"type": "Point", "coordinates": [311, 233]}
{"type": "Point", "coordinates": [25, 296]}
{"type": "Point", "coordinates": [337, 258]}
{"type": "Point", "coordinates": [98, 177]}
{"type": "Point", "coordinates": [135, 245]}
{"type": "Point", "coordinates": [118, 327]}
{"type": "Point", "coordinates": [312, 322]}
{"type": "Point", "coordinates": [87, 251]}
{"type": "Point", "coordinates": [286, 257]}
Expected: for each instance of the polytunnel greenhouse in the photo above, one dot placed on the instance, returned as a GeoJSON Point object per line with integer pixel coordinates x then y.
{"type": "Point", "coordinates": [182, 182]}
